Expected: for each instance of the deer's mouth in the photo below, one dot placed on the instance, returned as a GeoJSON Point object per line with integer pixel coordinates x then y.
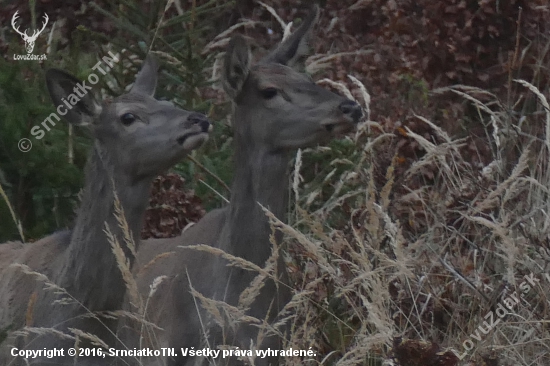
{"type": "Point", "coordinates": [192, 140]}
{"type": "Point", "coordinates": [196, 135]}
{"type": "Point", "coordinates": [338, 127]}
{"type": "Point", "coordinates": [181, 140]}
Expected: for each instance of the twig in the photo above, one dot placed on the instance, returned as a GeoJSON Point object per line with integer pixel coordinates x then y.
{"type": "Point", "coordinates": [205, 169]}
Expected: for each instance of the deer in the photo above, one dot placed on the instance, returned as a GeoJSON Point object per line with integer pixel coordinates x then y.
{"type": "Point", "coordinates": [136, 138]}
{"type": "Point", "coordinates": [29, 40]}
{"type": "Point", "coordinates": [276, 110]}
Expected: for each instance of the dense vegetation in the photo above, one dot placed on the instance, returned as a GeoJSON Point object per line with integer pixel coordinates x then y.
{"type": "Point", "coordinates": [404, 235]}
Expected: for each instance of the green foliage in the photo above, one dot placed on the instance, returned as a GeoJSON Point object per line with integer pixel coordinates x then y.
{"type": "Point", "coordinates": [325, 169]}
{"type": "Point", "coordinates": [178, 42]}
{"type": "Point", "coordinates": [414, 90]}
{"type": "Point", "coordinates": [216, 157]}
{"type": "Point", "coordinates": [42, 185]}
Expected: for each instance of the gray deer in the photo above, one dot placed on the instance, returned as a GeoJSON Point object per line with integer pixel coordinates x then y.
{"type": "Point", "coordinates": [136, 137]}
{"type": "Point", "coordinates": [276, 109]}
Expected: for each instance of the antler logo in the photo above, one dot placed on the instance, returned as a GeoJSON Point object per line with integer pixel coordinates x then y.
{"type": "Point", "coordinates": [29, 40]}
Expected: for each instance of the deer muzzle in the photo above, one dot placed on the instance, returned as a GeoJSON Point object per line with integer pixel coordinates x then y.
{"type": "Point", "coordinates": [197, 128]}
{"type": "Point", "coordinates": [352, 110]}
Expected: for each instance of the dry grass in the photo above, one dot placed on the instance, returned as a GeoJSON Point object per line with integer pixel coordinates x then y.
{"type": "Point", "coordinates": [12, 212]}
{"type": "Point", "coordinates": [411, 276]}
{"type": "Point", "coordinates": [472, 237]}
{"type": "Point", "coordinates": [63, 297]}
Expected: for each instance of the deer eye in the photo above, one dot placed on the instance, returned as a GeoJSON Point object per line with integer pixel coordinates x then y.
{"type": "Point", "coordinates": [127, 119]}
{"type": "Point", "coordinates": [268, 93]}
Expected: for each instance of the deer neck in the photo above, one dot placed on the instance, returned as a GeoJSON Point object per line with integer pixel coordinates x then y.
{"type": "Point", "coordinates": [260, 177]}
{"type": "Point", "coordinates": [91, 273]}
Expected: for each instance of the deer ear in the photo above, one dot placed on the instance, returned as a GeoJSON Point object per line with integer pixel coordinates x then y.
{"type": "Point", "coordinates": [294, 50]}
{"type": "Point", "coordinates": [236, 66]}
{"type": "Point", "coordinates": [64, 90]}
{"type": "Point", "coordinates": [146, 80]}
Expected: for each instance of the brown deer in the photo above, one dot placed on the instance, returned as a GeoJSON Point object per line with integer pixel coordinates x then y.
{"type": "Point", "coordinates": [276, 109]}
{"type": "Point", "coordinates": [136, 137]}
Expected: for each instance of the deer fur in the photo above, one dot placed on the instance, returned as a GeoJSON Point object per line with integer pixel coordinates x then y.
{"type": "Point", "coordinates": [277, 109]}
{"type": "Point", "coordinates": [136, 137]}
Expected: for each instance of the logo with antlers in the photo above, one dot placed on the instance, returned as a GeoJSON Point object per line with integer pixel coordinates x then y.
{"type": "Point", "coordinates": [29, 40]}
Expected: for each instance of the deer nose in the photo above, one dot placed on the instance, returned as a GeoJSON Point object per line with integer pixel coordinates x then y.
{"type": "Point", "coordinates": [351, 109]}
{"type": "Point", "coordinates": [201, 120]}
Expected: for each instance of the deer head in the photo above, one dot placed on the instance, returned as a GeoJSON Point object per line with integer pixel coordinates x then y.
{"type": "Point", "coordinates": [276, 108]}
{"type": "Point", "coordinates": [29, 40]}
{"type": "Point", "coordinates": [145, 136]}
{"type": "Point", "coordinates": [277, 105]}
{"type": "Point", "coordinates": [135, 138]}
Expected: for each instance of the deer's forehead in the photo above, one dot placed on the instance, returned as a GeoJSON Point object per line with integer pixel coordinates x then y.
{"type": "Point", "coordinates": [139, 103]}
{"type": "Point", "coordinates": [133, 98]}
{"type": "Point", "coordinates": [276, 75]}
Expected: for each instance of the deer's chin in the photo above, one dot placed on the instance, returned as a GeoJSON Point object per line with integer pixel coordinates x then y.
{"type": "Point", "coordinates": [192, 141]}
{"type": "Point", "coordinates": [338, 127]}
